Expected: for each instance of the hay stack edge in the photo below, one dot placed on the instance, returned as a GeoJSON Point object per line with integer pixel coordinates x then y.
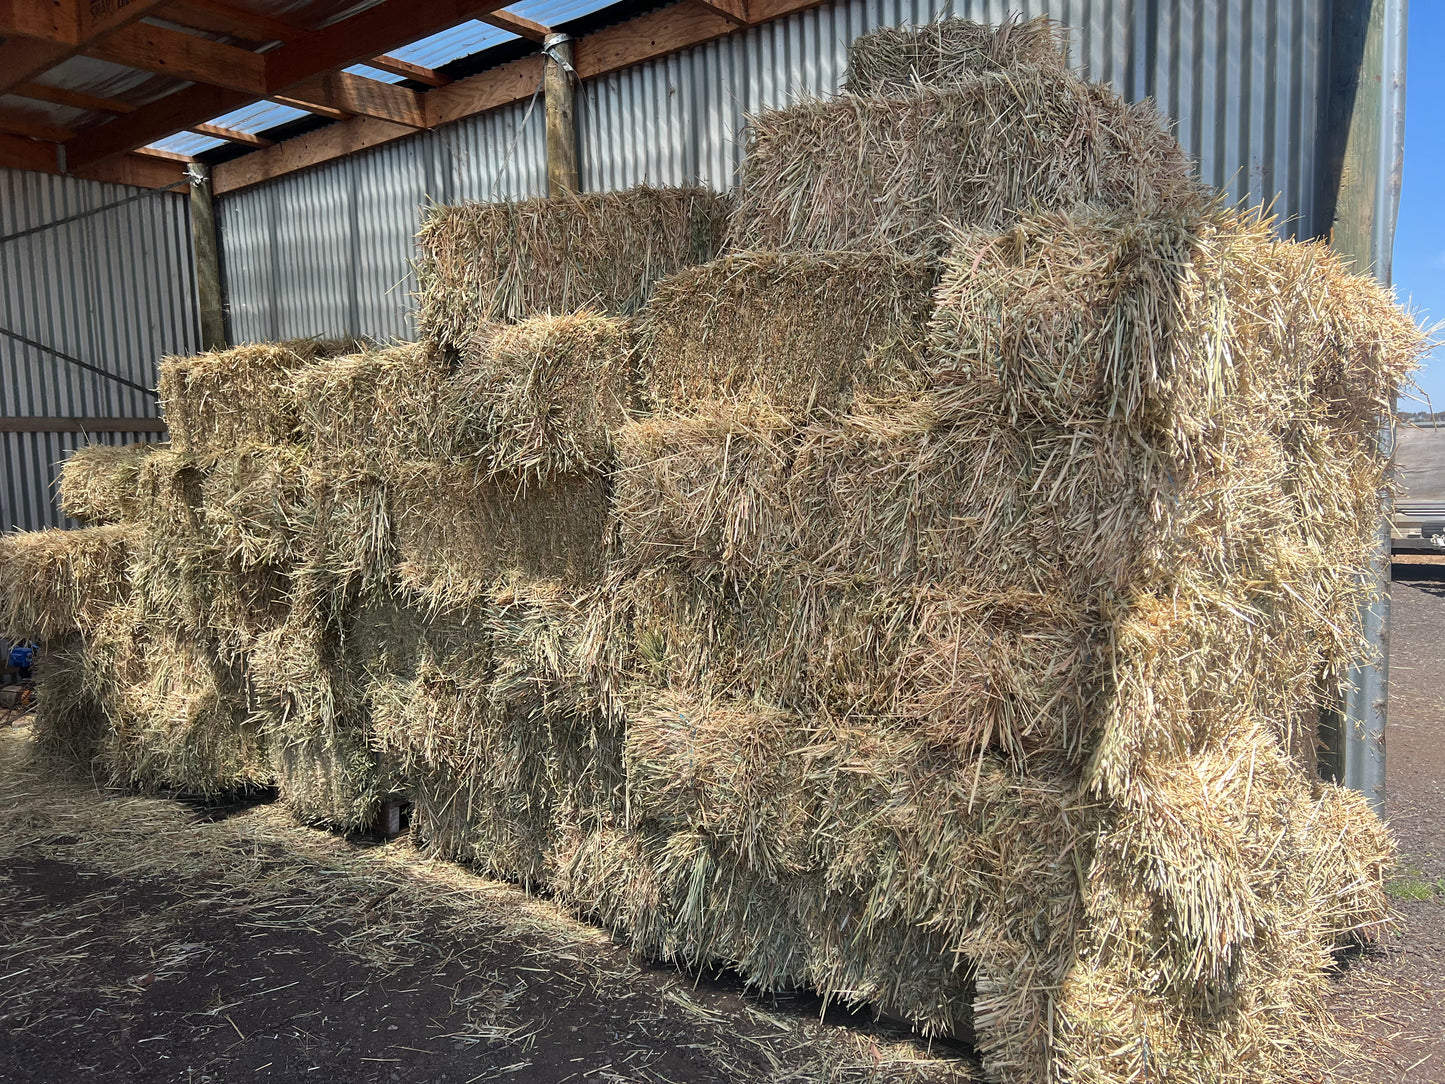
{"type": "Point", "coordinates": [915, 580]}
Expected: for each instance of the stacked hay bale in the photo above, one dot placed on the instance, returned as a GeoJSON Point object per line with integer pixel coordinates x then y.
{"type": "Point", "coordinates": [924, 599]}
{"type": "Point", "coordinates": [499, 475]}
{"type": "Point", "coordinates": [969, 638]}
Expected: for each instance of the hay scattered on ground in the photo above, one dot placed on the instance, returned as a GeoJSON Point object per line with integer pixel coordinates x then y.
{"type": "Point", "coordinates": [489, 262]}
{"type": "Point", "coordinates": [99, 482]}
{"type": "Point", "coordinates": [808, 331]}
{"type": "Point", "coordinates": [895, 60]}
{"type": "Point", "coordinates": [884, 172]}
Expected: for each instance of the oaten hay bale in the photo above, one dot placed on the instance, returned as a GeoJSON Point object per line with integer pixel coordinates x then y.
{"type": "Point", "coordinates": [868, 173]}
{"type": "Point", "coordinates": [852, 858]}
{"type": "Point", "coordinates": [254, 506]}
{"type": "Point", "coordinates": [487, 262]}
{"type": "Point", "coordinates": [236, 396]}
{"type": "Point", "coordinates": [383, 404]}
{"type": "Point", "coordinates": [541, 397]}
{"type": "Point", "coordinates": [310, 703]}
{"type": "Point", "coordinates": [1073, 318]}
{"type": "Point", "coordinates": [54, 583]}
{"type": "Point", "coordinates": [99, 482]}
{"type": "Point", "coordinates": [806, 330]}
{"type": "Point", "coordinates": [1014, 675]}
{"type": "Point", "coordinates": [494, 733]}
{"type": "Point", "coordinates": [457, 536]}
{"type": "Point", "coordinates": [186, 724]}
{"type": "Point", "coordinates": [887, 489]}
{"type": "Point", "coordinates": [69, 716]}
{"type": "Point", "coordinates": [894, 60]}
{"type": "Point", "coordinates": [1214, 901]}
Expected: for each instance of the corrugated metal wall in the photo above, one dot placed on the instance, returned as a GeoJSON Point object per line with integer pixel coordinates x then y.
{"type": "Point", "coordinates": [114, 289]}
{"type": "Point", "coordinates": [327, 252]}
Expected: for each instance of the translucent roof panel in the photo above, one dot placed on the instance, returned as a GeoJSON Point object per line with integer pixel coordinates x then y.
{"type": "Point", "coordinates": [461, 40]}
{"type": "Point", "coordinates": [187, 143]}
{"type": "Point", "coordinates": [375, 73]}
{"type": "Point", "coordinates": [259, 116]}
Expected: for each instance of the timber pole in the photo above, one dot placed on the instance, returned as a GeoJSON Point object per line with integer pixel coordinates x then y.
{"type": "Point", "coordinates": [208, 259]}
{"type": "Point", "coordinates": [560, 89]}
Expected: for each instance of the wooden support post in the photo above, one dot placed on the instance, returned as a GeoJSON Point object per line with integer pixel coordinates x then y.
{"type": "Point", "coordinates": [208, 259]}
{"type": "Point", "coordinates": [560, 92]}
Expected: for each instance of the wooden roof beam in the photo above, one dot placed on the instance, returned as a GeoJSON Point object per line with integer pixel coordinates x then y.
{"type": "Point", "coordinates": [359, 96]}
{"type": "Point", "coordinates": [39, 36]}
{"type": "Point", "coordinates": [355, 40]}
{"type": "Point", "coordinates": [310, 107]}
{"type": "Point", "coordinates": [184, 56]}
{"type": "Point", "coordinates": [232, 135]}
{"type": "Point", "coordinates": [516, 24]}
{"type": "Point", "coordinates": [43, 92]}
{"type": "Point", "coordinates": [17, 123]}
{"type": "Point", "coordinates": [220, 18]}
{"type": "Point", "coordinates": [407, 70]}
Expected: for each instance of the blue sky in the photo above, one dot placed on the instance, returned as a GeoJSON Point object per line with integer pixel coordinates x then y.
{"type": "Point", "coordinates": [1420, 236]}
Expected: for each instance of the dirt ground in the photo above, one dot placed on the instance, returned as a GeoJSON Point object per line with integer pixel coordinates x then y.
{"type": "Point", "coordinates": [145, 940]}
{"type": "Point", "coordinates": [1391, 1000]}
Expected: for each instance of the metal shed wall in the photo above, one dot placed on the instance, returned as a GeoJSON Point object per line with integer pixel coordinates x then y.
{"type": "Point", "coordinates": [115, 289]}
{"type": "Point", "coordinates": [328, 251]}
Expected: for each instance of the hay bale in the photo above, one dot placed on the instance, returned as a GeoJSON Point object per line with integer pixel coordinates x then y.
{"type": "Point", "coordinates": [237, 396]}
{"type": "Point", "coordinates": [99, 482]}
{"type": "Point", "coordinates": [1074, 318]}
{"type": "Point", "coordinates": [542, 397]}
{"type": "Point", "coordinates": [458, 536]}
{"type": "Point", "coordinates": [383, 405]}
{"type": "Point", "coordinates": [874, 172]}
{"type": "Point", "coordinates": [184, 723]}
{"type": "Point", "coordinates": [69, 716]}
{"type": "Point", "coordinates": [309, 699]}
{"type": "Point", "coordinates": [255, 508]}
{"type": "Point", "coordinates": [55, 582]}
{"type": "Point", "coordinates": [497, 738]}
{"type": "Point", "coordinates": [489, 262]}
{"type": "Point", "coordinates": [807, 331]}
{"type": "Point", "coordinates": [894, 60]}
{"type": "Point", "coordinates": [1015, 675]}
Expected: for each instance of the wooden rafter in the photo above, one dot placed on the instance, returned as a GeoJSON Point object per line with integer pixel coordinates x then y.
{"type": "Point", "coordinates": [39, 36]}
{"type": "Point", "coordinates": [231, 135]}
{"type": "Point", "coordinates": [407, 70]}
{"type": "Point", "coordinates": [516, 24]}
{"type": "Point", "coordinates": [355, 40]}
{"type": "Point", "coordinates": [43, 92]}
{"type": "Point", "coordinates": [310, 107]}
{"type": "Point", "coordinates": [219, 18]}
{"type": "Point", "coordinates": [23, 124]}
{"type": "Point", "coordinates": [361, 97]}
{"type": "Point", "coordinates": [184, 56]}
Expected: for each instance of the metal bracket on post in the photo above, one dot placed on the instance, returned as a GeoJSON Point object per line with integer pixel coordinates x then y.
{"type": "Point", "coordinates": [560, 80]}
